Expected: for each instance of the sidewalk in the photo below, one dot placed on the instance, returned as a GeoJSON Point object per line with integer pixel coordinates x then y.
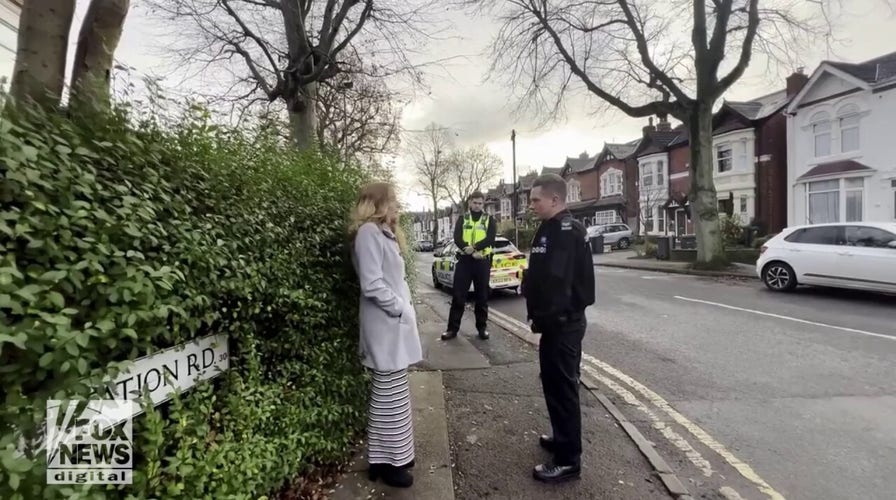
{"type": "Point", "coordinates": [478, 411]}
{"type": "Point", "coordinates": [624, 259]}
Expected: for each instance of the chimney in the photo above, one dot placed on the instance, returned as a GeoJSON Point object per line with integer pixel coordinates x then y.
{"type": "Point", "coordinates": [649, 129]}
{"type": "Point", "coordinates": [796, 82]}
{"type": "Point", "coordinates": [663, 124]}
{"type": "Point", "coordinates": [584, 155]}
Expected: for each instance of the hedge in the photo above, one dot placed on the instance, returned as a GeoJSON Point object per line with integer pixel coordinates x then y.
{"type": "Point", "coordinates": [120, 240]}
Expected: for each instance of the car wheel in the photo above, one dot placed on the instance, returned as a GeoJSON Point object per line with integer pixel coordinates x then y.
{"type": "Point", "coordinates": [623, 243]}
{"type": "Point", "coordinates": [435, 280]}
{"type": "Point", "coordinates": [779, 277]}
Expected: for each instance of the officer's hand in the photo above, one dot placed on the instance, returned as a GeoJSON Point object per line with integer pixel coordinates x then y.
{"type": "Point", "coordinates": [469, 250]}
{"type": "Point", "coordinates": [478, 256]}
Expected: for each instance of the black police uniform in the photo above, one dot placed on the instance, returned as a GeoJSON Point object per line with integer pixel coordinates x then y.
{"type": "Point", "coordinates": [562, 274]}
{"type": "Point", "coordinates": [469, 269]}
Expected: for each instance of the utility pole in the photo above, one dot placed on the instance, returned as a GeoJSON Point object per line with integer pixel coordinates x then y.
{"type": "Point", "coordinates": [515, 201]}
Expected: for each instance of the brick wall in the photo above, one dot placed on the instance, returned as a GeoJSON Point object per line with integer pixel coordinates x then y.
{"type": "Point", "coordinates": [589, 182]}
{"type": "Point", "coordinates": [771, 174]}
{"type": "Point", "coordinates": [679, 161]}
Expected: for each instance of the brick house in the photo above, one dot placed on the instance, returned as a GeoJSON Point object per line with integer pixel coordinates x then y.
{"type": "Point", "coordinates": [652, 156]}
{"type": "Point", "coordinates": [581, 186]}
{"type": "Point", "coordinates": [678, 209]}
{"type": "Point", "coordinates": [617, 185]}
{"type": "Point", "coordinates": [524, 186]}
{"type": "Point", "coordinates": [749, 163]}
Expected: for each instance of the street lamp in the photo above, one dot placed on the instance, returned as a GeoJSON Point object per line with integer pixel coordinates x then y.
{"type": "Point", "coordinates": [513, 205]}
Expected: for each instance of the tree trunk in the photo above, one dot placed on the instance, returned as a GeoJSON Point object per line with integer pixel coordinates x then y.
{"type": "Point", "coordinates": [710, 252]}
{"type": "Point", "coordinates": [39, 73]}
{"type": "Point", "coordinates": [435, 223]}
{"type": "Point", "coordinates": [97, 42]}
{"type": "Point", "coordinates": [303, 117]}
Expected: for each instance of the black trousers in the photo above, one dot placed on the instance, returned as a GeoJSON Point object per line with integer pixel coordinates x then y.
{"type": "Point", "coordinates": [470, 270]}
{"type": "Point", "coordinates": [559, 354]}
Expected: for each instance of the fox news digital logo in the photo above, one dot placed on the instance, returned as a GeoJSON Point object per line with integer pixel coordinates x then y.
{"type": "Point", "coordinates": [89, 442]}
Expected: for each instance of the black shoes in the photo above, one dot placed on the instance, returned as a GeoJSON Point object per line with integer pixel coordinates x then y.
{"type": "Point", "coordinates": [397, 477]}
{"type": "Point", "coordinates": [552, 473]}
{"type": "Point", "coordinates": [450, 335]}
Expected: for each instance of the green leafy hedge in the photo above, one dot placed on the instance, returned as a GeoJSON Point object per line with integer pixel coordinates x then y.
{"type": "Point", "coordinates": [120, 240]}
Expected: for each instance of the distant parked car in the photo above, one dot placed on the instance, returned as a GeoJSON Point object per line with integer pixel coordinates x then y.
{"type": "Point", "coordinates": [860, 255]}
{"type": "Point", "coordinates": [618, 235]}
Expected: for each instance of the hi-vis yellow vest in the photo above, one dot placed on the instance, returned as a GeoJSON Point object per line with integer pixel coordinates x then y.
{"type": "Point", "coordinates": [474, 232]}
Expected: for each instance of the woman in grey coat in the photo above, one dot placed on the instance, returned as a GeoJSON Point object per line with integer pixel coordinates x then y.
{"type": "Point", "coordinates": [389, 339]}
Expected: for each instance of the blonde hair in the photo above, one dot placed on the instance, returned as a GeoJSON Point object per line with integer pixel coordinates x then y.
{"type": "Point", "coordinates": [373, 206]}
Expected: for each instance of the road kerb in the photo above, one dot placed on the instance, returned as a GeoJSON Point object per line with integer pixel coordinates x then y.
{"type": "Point", "coordinates": [660, 466]}
{"type": "Point", "coordinates": [691, 272]}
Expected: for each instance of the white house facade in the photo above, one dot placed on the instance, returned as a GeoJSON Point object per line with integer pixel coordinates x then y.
{"type": "Point", "coordinates": [9, 33]}
{"type": "Point", "coordinates": [653, 186]}
{"type": "Point", "coordinates": [734, 171]}
{"type": "Point", "coordinates": [841, 147]}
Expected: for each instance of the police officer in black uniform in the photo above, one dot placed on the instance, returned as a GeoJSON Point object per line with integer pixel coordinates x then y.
{"type": "Point", "coordinates": [561, 269]}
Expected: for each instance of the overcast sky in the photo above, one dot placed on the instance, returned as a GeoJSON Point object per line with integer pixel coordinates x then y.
{"type": "Point", "coordinates": [480, 111]}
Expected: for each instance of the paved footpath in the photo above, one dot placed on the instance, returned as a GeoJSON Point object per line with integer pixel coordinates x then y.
{"type": "Point", "coordinates": [478, 411]}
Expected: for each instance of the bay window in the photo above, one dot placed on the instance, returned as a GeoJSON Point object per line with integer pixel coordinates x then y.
{"type": "Point", "coordinates": [724, 158]}
{"type": "Point", "coordinates": [837, 200]}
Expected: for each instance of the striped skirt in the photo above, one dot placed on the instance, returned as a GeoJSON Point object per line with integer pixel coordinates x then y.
{"type": "Point", "coordinates": [390, 426]}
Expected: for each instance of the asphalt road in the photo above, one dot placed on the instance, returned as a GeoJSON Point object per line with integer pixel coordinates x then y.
{"type": "Point", "coordinates": [748, 393]}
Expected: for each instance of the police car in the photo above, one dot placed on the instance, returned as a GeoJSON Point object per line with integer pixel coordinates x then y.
{"type": "Point", "coordinates": [507, 265]}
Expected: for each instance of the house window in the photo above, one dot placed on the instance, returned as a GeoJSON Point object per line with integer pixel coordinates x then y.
{"type": "Point", "coordinates": [648, 224]}
{"type": "Point", "coordinates": [660, 173]}
{"type": "Point", "coordinates": [647, 175]}
{"type": "Point", "coordinates": [836, 200]}
{"type": "Point", "coordinates": [605, 217]}
{"type": "Point", "coordinates": [573, 191]}
{"type": "Point", "coordinates": [661, 219]}
{"type": "Point", "coordinates": [824, 202]}
{"type": "Point", "coordinates": [821, 131]}
{"type": "Point", "coordinates": [743, 204]}
{"type": "Point", "coordinates": [505, 206]}
{"type": "Point", "coordinates": [611, 183]}
{"type": "Point", "coordinates": [724, 158]}
{"type": "Point", "coordinates": [726, 207]}
{"type": "Point", "coordinates": [849, 128]}
{"type": "Point", "coordinates": [854, 188]}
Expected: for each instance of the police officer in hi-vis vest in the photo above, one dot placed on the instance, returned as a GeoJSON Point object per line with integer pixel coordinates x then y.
{"type": "Point", "coordinates": [474, 235]}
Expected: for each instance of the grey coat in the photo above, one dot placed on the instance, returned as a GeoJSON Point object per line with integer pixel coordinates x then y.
{"type": "Point", "coordinates": [389, 338]}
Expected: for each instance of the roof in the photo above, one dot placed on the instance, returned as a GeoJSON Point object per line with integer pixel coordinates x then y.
{"type": "Point", "coordinates": [551, 170]}
{"type": "Point", "coordinates": [527, 180]}
{"type": "Point", "coordinates": [580, 164]}
{"type": "Point", "coordinates": [684, 137]}
{"type": "Point", "coordinates": [835, 167]}
{"type": "Point", "coordinates": [622, 151]}
{"type": "Point", "coordinates": [761, 107]}
{"type": "Point", "coordinates": [657, 141]}
{"type": "Point", "coordinates": [871, 71]}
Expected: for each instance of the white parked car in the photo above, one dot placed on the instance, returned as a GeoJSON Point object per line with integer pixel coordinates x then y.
{"type": "Point", "coordinates": [860, 255]}
{"type": "Point", "coordinates": [618, 235]}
